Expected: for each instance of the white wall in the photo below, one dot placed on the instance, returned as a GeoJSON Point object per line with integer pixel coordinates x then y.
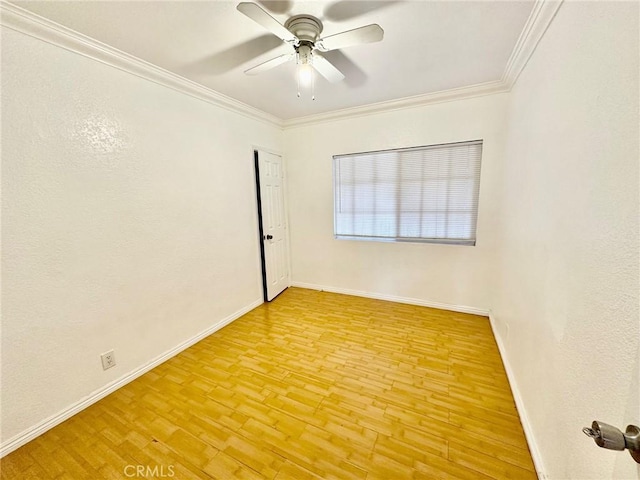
{"type": "Point", "coordinates": [441, 274]}
{"type": "Point", "coordinates": [129, 223]}
{"type": "Point", "coordinates": [569, 274]}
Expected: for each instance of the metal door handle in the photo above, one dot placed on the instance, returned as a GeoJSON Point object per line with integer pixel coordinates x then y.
{"type": "Point", "coordinates": [610, 437]}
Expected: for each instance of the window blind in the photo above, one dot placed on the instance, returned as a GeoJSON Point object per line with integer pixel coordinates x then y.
{"type": "Point", "coordinates": [421, 194]}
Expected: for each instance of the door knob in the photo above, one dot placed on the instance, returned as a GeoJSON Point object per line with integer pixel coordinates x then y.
{"type": "Point", "coordinates": [611, 438]}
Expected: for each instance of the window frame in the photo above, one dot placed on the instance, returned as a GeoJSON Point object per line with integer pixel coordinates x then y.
{"type": "Point", "coordinates": [398, 181]}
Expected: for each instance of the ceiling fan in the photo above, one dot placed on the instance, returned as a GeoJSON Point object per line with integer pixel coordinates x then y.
{"type": "Point", "coordinates": [302, 33]}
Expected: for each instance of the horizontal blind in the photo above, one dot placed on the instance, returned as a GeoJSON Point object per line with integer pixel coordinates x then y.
{"type": "Point", "coordinates": [415, 194]}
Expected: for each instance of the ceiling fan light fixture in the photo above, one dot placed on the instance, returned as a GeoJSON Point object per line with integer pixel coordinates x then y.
{"type": "Point", "coordinates": [305, 74]}
{"type": "Point", "coordinates": [304, 68]}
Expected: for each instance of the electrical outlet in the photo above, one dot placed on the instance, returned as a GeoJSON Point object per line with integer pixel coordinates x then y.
{"type": "Point", "coordinates": [108, 360]}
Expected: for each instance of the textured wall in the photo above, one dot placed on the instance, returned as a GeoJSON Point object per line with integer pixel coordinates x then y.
{"type": "Point", "coordinates": [446, 274]}
{"type": "Point", "coordinates": [129, 223]}
{"type": "Point", "coordinates": [568, 284]}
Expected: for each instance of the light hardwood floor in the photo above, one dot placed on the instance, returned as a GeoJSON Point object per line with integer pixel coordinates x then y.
{"type": "Point", "coordinates": [313, 385]}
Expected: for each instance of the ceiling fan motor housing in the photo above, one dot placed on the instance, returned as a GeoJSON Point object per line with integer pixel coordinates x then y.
{"type": "Point", "coordinates": [306, 27]}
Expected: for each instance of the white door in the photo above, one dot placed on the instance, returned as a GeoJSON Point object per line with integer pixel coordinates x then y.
{"type": "Point", "coordinates": [274, 224]}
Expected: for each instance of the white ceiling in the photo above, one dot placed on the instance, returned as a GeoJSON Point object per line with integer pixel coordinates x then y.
{"type": "Point", "coordinates": [428, 46]}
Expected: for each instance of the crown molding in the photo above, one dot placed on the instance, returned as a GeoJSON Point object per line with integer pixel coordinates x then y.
{"type": "Point", "coordinates": [21, 20]}
{"type": "Point", "coordinates": [479, 90]}
{"type": "Point", "coordinates": [541, 16]}
{"type": "Point", "coordinates": [28, 23]}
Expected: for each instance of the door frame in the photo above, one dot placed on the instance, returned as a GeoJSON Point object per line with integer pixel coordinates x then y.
{"type": "Point", "coordinates": [256, 169]}
{"type": "Point", "coordinates": [263, 266]}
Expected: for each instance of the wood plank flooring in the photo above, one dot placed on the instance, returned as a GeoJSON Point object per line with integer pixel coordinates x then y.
{"type": "Point", "coordinates": [313, 385]}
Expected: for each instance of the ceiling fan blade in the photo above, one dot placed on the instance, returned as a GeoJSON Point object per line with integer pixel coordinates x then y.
{"type": "Point", "coordinates": [326, 69]}
{"type": "Point", "coordinates": [269, 64]}
{"type": "Point", "coordinates": [258, 15]}
{"type": "Point", "coordinates": [367, 34]}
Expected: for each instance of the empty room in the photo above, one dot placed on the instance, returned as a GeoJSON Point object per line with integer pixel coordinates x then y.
{"type": "Point", "coordinates": [328, 239]}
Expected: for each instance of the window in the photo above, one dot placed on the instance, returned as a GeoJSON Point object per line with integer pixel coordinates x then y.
{"type": "Point", "coordinates": [421, 194]}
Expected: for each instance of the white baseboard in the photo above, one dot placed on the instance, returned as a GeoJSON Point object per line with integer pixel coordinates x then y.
{"type": "Point", "coordinates": [38, 429]}
{"type": "Point", "coordinates": [522, 411]}
{"type": "Point", "coordinates": [392, 298]}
